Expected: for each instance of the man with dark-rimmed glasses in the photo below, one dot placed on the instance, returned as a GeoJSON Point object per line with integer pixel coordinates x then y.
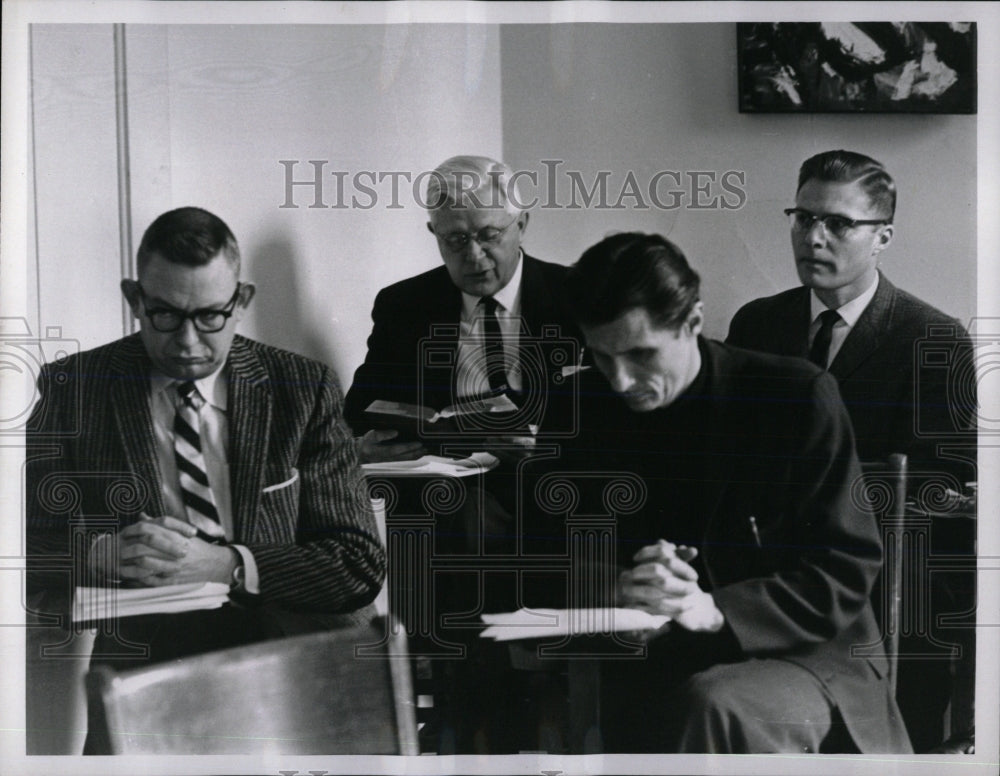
{"type": "Point", "coordinates": [197, 456]}
{"type": "Point", "coordinates": [849, 319]}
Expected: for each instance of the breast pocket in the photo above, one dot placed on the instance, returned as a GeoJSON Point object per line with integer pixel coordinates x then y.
{"type": "Point", "coordinates": [279, 505]}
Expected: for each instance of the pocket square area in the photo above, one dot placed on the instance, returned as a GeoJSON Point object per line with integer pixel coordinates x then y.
{"type": "Point", "coordinates": [278, 486]}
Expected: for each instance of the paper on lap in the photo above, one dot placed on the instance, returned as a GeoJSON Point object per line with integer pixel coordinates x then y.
{"type": "Point", "coordinates": [101, 603]}
{"type": "Point", "coordinates": [542, 623]}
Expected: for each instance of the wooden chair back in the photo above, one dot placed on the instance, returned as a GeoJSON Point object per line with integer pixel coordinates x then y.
{"type": "Point", "coordinates": [311, 694]}
{"type": "Point", "coordinates": [885, 490]}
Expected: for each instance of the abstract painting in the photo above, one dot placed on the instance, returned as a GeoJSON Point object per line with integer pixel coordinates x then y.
{"type": "Point", "coordinates": [867, 67]}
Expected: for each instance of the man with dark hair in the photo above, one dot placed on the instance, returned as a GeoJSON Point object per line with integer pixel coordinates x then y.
{"type": "Point", "coordinates": [748, 537]}
{"type": "Point", "coordinates": [201, 456]}
{"type": "Point", "coordinates": [849, 319]}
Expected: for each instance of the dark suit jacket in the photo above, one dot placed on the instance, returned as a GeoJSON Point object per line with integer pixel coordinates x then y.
{"type": "Point", "coordinates": [92, 467]}
{"type": "Point", "coordinates": [906, 373]}
{"type": "Point", "coordinates": [766, 437]}
{"type": "Point", "coordinates": [409, 311]}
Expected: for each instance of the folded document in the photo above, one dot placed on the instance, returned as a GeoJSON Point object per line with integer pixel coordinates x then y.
{"type": "Point", "coordinates": [543, 623]}
{"type": "Point", "coordinates": [102, 603]}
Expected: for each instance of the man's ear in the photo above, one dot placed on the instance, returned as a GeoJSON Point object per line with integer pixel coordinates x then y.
{"type": "Point", "coordinates": [522, 225]}
{"type": "Point", "coordinates": [884, 238]}
{"type": "Point", "coordinates": [696, 319]}
{"type": "Point", "coordinates": [130, 290]}
{"type": "Point", "coordinates": [247, 291]}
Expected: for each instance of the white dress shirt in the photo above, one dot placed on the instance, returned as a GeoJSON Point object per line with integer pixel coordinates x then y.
{"type": "Point", "coordinates": [472, 379]}
{"type": "Point", "coordinates": [849, 315]}
{"type": "Point", "coordinates": [214, 432]}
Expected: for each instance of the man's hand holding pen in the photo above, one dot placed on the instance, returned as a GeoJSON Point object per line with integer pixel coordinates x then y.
{"type": "Point", "coordinates": [663, 582]}
{"type": "Point", "coordinates": [162, 551]}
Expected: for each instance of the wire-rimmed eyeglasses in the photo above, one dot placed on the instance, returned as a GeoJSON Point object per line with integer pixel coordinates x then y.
{"type": "Point", "coordinates": [488, 235]}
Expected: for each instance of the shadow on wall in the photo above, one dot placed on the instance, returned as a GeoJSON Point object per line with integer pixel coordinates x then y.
{"type": "Point", "coordinates": [282, 316]}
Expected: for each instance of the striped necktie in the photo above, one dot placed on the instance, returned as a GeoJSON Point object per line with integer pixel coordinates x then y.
{"type": "Point", "coordinates": [195, 489]}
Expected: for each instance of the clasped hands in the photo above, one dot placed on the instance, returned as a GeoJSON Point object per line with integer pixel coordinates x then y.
{"type": "Point", "coordinates": [156, 551]}
{"type": "Point", "coordinates": [663, 582]}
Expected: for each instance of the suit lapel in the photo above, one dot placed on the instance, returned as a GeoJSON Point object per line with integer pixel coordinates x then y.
{"type": "Point", "coordinates": [865, 337]}
{"type": "Point", "coordinates": [536, 299]}
{"type": "Point", "coordinates": [249, 410]}
{"type": "Point", "coordinates": [133, 420]}
{"type": "Point", "coordinates": [796, 321]}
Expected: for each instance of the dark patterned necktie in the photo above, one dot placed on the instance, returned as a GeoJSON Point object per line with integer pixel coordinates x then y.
{"type": "Point", "coordinates": [496, 370]}
{"type": "Point", "coordinates": [819, 353]}
{"type": "Point", "coordinates": [195, 488]}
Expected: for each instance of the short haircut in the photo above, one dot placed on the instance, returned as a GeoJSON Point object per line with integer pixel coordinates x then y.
{"type": "Point", "coordinates": [628, 271]}
{"type": "Point", "coordinates": [189, 236]}
{"type": "Point", "coordinates": [473, 181]}
{"type": "Point", "coordinates": [847, 167]}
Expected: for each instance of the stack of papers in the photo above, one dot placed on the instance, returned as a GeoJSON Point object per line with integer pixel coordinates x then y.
{"type": "Point", "coordinates": [102, 603]}
{"type": "Point", "coordinates": [434, 465]}
{"type": "Point", "coordinates": [543, 623]}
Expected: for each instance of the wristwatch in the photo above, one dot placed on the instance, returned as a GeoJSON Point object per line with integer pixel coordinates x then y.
{"type": "Point", "coordinates": [239, 578]}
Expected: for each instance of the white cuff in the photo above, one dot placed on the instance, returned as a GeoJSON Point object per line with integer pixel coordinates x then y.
{"type": "Point", "coordinates": [252, 580]}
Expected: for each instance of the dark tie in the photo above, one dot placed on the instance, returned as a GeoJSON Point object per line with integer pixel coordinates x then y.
{"type": "Point", "coordinates": [496, 370]}
{"type": "Point", "coordinates": [195, 488]}
{"type": "Point", "coordinates": [820, 350]}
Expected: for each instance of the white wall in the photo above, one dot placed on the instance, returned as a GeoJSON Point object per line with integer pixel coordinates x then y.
{"type": "Point", "coordinates": [212, 110]}
{"type": "Point", "coordinates": [655, 97]}
{"type": "Point", "coordinates": [74, 251]}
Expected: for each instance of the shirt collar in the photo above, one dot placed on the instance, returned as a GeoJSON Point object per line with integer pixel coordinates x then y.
{"type": "Point", "coordinates": [212, 389]}
{"type": "Point", "coordinates": [509, 297]}
{"type": "Point", "coordinates": [851, 311]}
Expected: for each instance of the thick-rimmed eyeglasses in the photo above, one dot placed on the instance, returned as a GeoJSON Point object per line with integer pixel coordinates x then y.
{"type": "Point", "coordinates": [207, 320]}
{"type": "Point", "coordinates": [488, 235]}
{"type": "Point", "coordinates": [837, 225]}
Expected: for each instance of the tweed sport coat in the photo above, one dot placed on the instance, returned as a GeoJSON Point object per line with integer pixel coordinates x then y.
{"type": "Point", "coordinates": [299, 500]}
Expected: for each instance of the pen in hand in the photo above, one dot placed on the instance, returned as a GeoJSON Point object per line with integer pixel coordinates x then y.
{"type": "Point", "coordinates": [756, 533]}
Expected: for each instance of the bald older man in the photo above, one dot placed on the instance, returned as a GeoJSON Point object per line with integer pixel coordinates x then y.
{"type": "Point", "coordinates": [487, 283]}
{"type": "Point", "coordinates": [434, 342]}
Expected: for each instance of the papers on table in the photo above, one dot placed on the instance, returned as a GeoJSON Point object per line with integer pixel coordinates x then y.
{"type": "Point", "coordinates": [434, 465]}
{"type": "Point", "coordinates": [101, 603]}
{"type": "Point", "coordinates": [543, 623]}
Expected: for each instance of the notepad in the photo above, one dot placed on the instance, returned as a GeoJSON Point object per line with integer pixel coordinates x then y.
{"type": "Point", "coordinates": [543, 623]}
{"type": "Point", "coordinates": [102, 603]}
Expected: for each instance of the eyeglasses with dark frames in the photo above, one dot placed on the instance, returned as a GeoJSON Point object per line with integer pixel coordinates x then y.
{"type": "Point", "coordinates": [488, 235]}
{"type": "Point", "coordinates": [207, 320]}
{"type": "Point", "coordinates": [802, 221]}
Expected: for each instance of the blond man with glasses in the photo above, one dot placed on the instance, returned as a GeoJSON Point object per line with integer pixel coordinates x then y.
{"type": "Point", "coordinates": [848, 318]}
